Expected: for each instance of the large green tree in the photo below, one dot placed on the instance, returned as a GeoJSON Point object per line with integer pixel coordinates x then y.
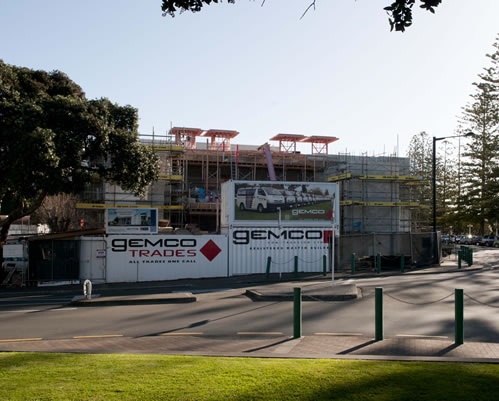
{"type": "Point", "coordinates": [399, 11]}
{"type": "Point", "coordinates": [448, 183]}
{"type": "Point", "coordinates": [467, 181]}
{"type": "Point", "coordinates": [447, 180]}
{"type": "Point", "coordinates": [53, 140]}
{"type": "Point", "coordinates": [481, 163]}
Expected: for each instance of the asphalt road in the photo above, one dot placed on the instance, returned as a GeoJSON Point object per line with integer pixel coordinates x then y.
{"type": "Point", "coordinates": [413, 305]}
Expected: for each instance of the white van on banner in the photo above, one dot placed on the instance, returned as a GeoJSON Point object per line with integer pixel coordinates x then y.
{"type": "Point", "coordinates": [165, 257]}
{"type": "Point", "coordinates": [257, 250]}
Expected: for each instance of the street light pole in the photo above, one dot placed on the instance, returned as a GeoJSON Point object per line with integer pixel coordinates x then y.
{"type": "Point", "coordinates": [434, 184]}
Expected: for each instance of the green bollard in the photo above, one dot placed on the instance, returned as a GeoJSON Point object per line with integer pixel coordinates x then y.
{"type": "Point", "coordinates": [297, 318]}
{"type": "Point", "coordinates": [378, 262]}
{"type": "Point", "coordinates": [459, 257]}
{"type": "Point", "coordinates": [296, 266]}
{"type": "Point", "coordinates": [269, 262]}
{"type": "Point", "coordinates": [352, 262]}
{"type": "Point", "coordinates": [459, 315]}
{"type": "Point", "coordinates": [402, 263]}
{"type": "Point", "coordinates": [324, 265]}
{"type": "Point", "coordinates": [469, 255]}
{"type": "Point", "coordinates": [378, 313]}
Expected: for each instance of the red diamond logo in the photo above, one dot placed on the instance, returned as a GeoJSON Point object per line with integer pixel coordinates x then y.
{"type": "Point", "coordinates": [327, 235]}
{"type": "Point", "coordinates": [210, 250]}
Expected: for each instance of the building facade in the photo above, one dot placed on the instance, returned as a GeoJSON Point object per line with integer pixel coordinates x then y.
{"type": "Point", "coordinates": [194, 163]}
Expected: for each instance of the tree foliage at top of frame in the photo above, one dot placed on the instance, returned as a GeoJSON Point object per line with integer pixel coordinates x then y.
{"type": "Point", "coordinates": [399, 11]}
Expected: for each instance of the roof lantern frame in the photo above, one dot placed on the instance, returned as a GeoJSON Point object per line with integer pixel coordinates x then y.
{"type": "Point", "coordinates": [185, 136]}
{"type": "Point", "coordinates": [287, 142]}
{"type": "Point", "coordinates": [320, 144]}
{"type": "Point", "coordinates": [220, 138]}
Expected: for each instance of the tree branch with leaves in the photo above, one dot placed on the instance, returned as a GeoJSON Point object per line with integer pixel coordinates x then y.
{"type": "Point", "coordinates": [53, 141]}
{"type": "Point", "coordinates": [399, 12]}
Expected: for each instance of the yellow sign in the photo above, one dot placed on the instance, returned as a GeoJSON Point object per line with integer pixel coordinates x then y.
{"type": "Point", "coordinates": [381, 204]}
{"type": "Point", "coordinates": [340, 177]}
{"type": "Point", "coordinates": [171, 177]}
{"type": "Point", "coordinates": [388, 177]}
{"type": "Point", "coordinates": [167, 147]}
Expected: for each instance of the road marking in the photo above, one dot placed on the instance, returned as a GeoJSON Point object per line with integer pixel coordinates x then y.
{"type": "Point", "coordinates": [62, 309]}
{"type": "Point", "coordinates": [419, 336]}
{"type": "Point", "coordinates": [98, 336]}
{"type": "Point", "coordinates": [338, 334]}
{"type": "Point", "coordinates": [259, 333]}
{"type": "Point", "coordinates": [12, 340]}
{"type": "Point", "coordinates": [183, 333]}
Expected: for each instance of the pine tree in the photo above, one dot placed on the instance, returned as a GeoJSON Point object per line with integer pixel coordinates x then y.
{"type": "Point", "coordinates": [420, 158]}
{"type": "Point", "coordinates": [448, 185]}
{"type": "Point", "coordinates": [480, 195]}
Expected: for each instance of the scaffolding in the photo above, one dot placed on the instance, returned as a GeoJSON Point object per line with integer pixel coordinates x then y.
{"type": "Point", "coordinates": [193, 164]}
{"type": "Point", "coordinates": [375, 193]}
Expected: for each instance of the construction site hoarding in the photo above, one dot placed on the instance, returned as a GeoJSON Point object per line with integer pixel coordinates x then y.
{"type": "Point", "coordinates": [134, 258]}
{"type": "Point", "coordinates": [282, 203]}
{"type": "Point", "coordinates": [258, 250]}
{"type": "Point", "coordinates": [131, 221]}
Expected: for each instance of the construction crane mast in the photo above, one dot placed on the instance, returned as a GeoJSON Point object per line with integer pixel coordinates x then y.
{"type": "Point", "coordinates": [270, 164]}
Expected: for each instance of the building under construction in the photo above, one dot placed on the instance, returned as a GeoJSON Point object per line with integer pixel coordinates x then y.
{"type": "Point", "coordinates": [375, 192]}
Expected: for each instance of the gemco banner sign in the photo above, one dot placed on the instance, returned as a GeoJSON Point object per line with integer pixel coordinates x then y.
{"type": "Point", "coordinates": [279, 250]}
{"type": "Point", "coordinates": [165, 257]}
{"type": "Point", "coordinates": [281, 203]}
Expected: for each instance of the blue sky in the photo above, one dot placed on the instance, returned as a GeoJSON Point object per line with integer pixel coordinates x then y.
{"type": "Point", "coordinates": [261, 70]}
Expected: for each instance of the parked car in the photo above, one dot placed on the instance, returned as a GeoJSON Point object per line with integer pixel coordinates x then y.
{"type": "Point", "coordinates": [448, 239]}
{"type": "Point", "coordinates": [470, 240]}
{"type": "Point", "coordinates": [487, 240]}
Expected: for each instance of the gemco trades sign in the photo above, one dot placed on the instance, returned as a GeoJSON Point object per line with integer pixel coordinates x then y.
{"type": "Point", "coordinates": [279, 203]}
{"type": "Point", "coordinates": [165, 257]}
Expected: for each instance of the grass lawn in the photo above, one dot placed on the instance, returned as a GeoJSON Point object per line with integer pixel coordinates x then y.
{"type": "Point", "coordinates": [51, 376]}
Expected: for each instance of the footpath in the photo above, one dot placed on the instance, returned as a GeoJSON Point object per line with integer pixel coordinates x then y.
{"type": "Point", "coordinates": [348, 346]}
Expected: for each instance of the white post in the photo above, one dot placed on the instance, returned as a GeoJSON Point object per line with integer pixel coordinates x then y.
{"type": "Point", "coordinates": [87, 289]}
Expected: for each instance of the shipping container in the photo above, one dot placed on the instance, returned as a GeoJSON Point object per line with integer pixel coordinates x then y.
{"type": "Point", "coordinates": [285, 249]}
{"type": "Point", "coordinates": [165, 257]}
